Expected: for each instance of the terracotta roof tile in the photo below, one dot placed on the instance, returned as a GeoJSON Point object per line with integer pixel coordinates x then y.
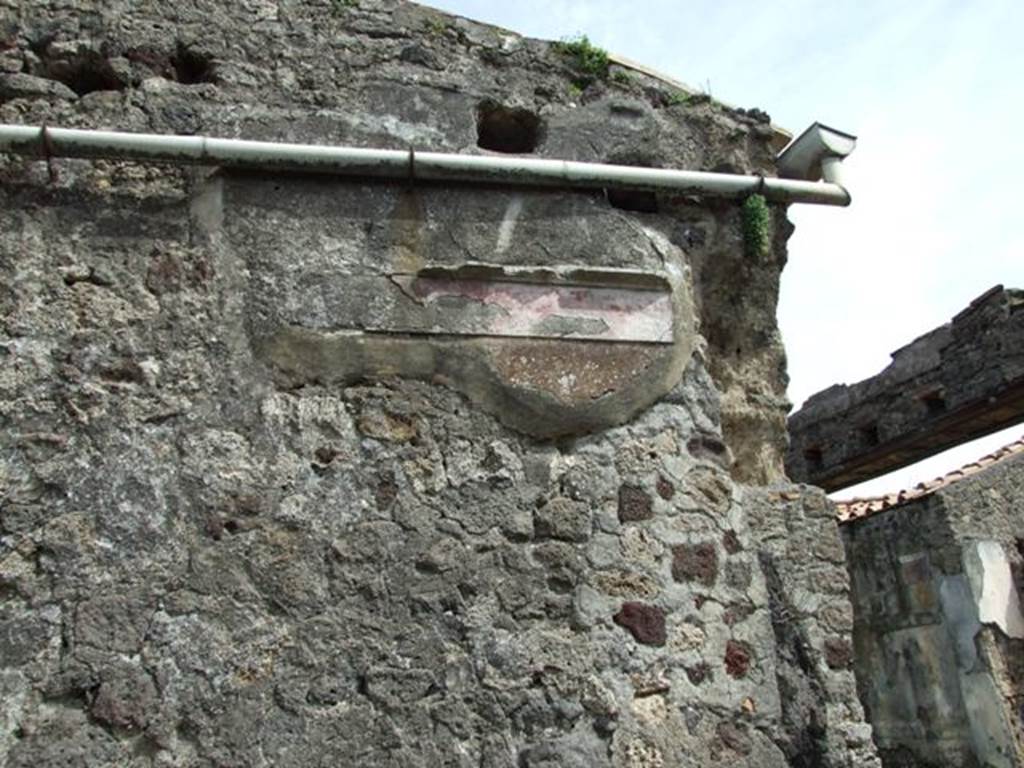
{"type": "Point", "coordinates": [855, 509]}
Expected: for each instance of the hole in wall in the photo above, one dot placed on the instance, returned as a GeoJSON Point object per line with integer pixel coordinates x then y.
{"type": "Point", "coordinates": [814, 457]}
{"type": "Point", "coordinates": [39, 45]}
{"type": "Point", "coordinates": [869, 435]}
{"type": "Point", "coordinates": [934, 402]}
{"type": "Point", "coordinates": [84, 72]}
{"type": "Point", "coordinates": [637, 200]}
{"type": "Point", "coordinates": [506, 129]}
{"type": "Point", "coordinates": [191, 67]}
{"type": "Point", "coordinates": [8, 36]}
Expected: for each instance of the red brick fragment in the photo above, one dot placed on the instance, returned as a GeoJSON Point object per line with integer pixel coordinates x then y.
{"type": "Point", "coordinates": [737, 658]}
{"type": "Point", "coordinates": [645, 622]}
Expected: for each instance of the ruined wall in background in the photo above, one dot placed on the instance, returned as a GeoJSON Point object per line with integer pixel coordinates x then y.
{"type": "Point", "coordinates": [936, 571]}
{"type": "Point", "coordinates": [271, 497]}
{"type": "Point", "coordinates": [987, 512]}
{"type": "Point", "coordinates": [960, 381]}
{"type": "Point", "coordinates": [938, 634]}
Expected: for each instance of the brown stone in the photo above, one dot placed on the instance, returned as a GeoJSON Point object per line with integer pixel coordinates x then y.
{"type": "Point", "coordinates": [645, 622]}
{"type": "Point", "coordinates": [626, 584]}
{"type": "Point", "coordinates": [734, 736]}
{"type": "Point", "coordinates": [736, 613]}
{"type": "Point", "coordinates": [325, 454]}
{"type": "Point", "coordinates": [598, 368]}
{"type": "Point", "coordinates": [737, 658]}
{"type": "Point", "coordinates": [386, 491]}
{"type": "Point", "coordinates": [215, 527]}
{"type": "Point", "coordinates": [731, 542]}
{"type": "Point", "coordinates": [838, 653]}
{"type": "Point", "coordinates": [665, 488]}
{"type": "Point", "coordinates": [634, 504]}
{"type": "Point", "coordinates": [707, 447]}
{"type": "Point", "coordinates": [164, 274]}
{"type": "Point", "coordinates": [695, 562]}
{"type": "Point", "coordinates": [562, 518]}
{"type": "Point", "coordinates": [698, 673]}
{"type": "Point", "coordinates": [126, 701]}
{"type": "Point", "coordinates": [382, 425]}
{"type": "Point", "coordinates": [650, 683]}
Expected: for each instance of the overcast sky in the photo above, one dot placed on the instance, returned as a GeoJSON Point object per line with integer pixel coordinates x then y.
{"type": "Point", "coordinates": [933, 91]}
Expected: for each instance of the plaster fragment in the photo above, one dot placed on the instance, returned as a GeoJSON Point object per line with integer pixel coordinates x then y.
{"type": "Point", "coordinates": [994, 590]}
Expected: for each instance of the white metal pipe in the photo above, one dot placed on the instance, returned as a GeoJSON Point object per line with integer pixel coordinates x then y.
{"type": "Point", "coordinates": [44, 142]}
{"type": "Point", "coordinates": [831, 169]}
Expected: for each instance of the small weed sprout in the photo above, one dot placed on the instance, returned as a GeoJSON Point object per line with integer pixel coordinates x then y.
{"type": "Point", "coordinates": [436, 27]}
{"type": "Point", "coordinates": [678, 98]}
{"type": "Point", "coordinates": [587, 58]}
{"type": "Point", "coordinates": [757, 223]}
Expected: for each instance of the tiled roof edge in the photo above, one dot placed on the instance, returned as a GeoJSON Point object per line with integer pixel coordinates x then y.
{"type": "Point", "coordinates": [859, 508]}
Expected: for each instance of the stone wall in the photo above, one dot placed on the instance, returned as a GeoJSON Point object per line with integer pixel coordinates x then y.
{"type": "Point", "coordinates": [394, 75]}
{"type": "Point", "coordinates": [268, 500]}
{"type": "Point", "coordinates": [793, 530]}
{"type": "Point", "coordinates": [960, 381]}
{"type": "Point", "coordinates": [938, 635]}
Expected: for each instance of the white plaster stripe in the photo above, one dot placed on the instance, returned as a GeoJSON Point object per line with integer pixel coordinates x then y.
{"type": "Point", "coordinates": [508, 224]}
{"type": "Point", "coordinates": [998, 602]}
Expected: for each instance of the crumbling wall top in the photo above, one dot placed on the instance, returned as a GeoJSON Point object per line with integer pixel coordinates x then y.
{"type": "Point", "coordinates": [957, 382]}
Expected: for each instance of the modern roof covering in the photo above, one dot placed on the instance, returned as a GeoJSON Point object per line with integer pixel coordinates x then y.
{"type": "Point", "coordinates": [856, 509]}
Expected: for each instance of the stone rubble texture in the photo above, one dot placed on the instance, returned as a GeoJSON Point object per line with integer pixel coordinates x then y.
{"type": "Point", "coordinates": [232, 534]}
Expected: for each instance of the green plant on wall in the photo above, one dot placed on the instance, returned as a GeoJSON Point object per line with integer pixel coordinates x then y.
{"type": "Point", "coordinates": [757, 226]}
{"type": "Point", "coordinates": [587, 58]}
{"type": "Point", "coordinates": [678, 97]}
{"type": "Point", "coordinates": [437, 27]}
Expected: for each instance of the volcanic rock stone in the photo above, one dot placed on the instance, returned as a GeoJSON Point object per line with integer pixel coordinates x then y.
{"type": "Point", "coordinates": [645, 622]}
